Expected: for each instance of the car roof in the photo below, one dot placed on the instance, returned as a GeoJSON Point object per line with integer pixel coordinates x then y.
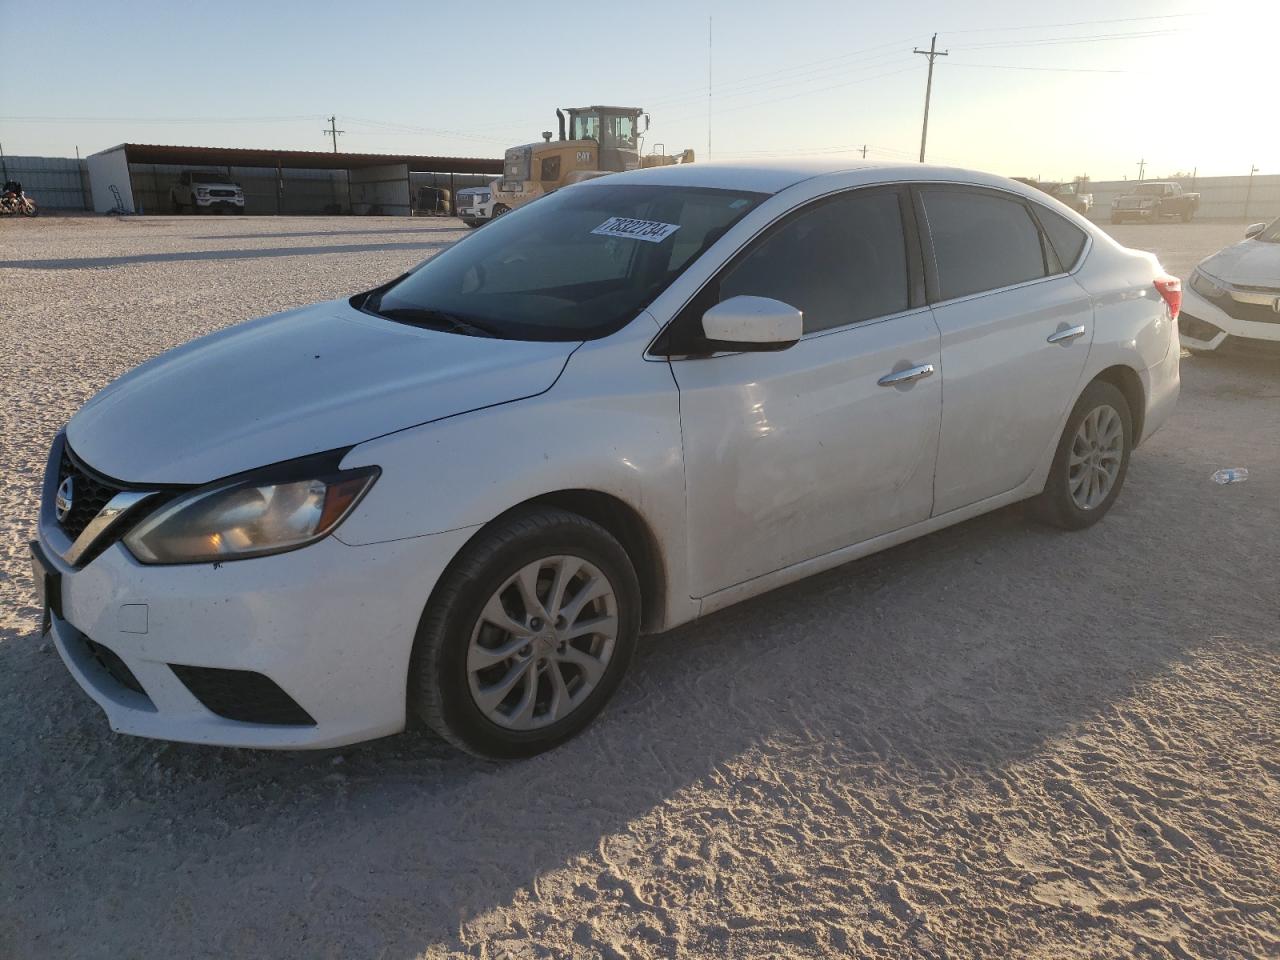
{"type": "Point", "coordinates": [776, 176]}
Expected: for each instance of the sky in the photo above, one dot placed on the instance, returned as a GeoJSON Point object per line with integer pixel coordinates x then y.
{"type": "Point", "coordinates": [1056, 91]}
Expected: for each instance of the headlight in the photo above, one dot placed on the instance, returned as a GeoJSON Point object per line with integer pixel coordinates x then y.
{"type": "Point", "coordinates": [1202, 285]}
{"type": "Point", "coordinates": [251, 517]}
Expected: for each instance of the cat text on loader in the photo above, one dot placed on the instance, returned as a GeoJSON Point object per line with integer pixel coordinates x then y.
{"type": "Point", "coordinates": [598, 141]}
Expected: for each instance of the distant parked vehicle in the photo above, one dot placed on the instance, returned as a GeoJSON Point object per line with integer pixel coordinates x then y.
{"type": "Point", "coordinates": [1233, 299]}
{"type": "Point", "coordinates": [1155, 199]}
{"type": "Point", "coordinates": [14, 201]}
{"type": "Point", "coordinates": [201, 190]}
{"type": "Point", "coordinates": [1068, 193]}
{"type": "Point", "coordinates": [475, 205]}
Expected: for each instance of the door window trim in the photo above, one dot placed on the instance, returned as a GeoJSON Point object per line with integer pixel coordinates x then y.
{"type": "Point", "coordinates": [913, 241]}
{"type": "Point", "coordinates": [1054, 268]}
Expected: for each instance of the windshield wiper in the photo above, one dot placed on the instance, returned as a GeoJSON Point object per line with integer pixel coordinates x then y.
{"type": "Point", "coordinates": [437, 320]}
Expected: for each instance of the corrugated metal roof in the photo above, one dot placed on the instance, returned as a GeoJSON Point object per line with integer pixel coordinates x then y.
{"type": "Point", "coordinates": [299, 159]}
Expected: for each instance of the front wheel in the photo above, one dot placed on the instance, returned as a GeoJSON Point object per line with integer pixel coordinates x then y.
{"type": "Point", "coordinates": [1091, 462]}
{"type": "Point", "coordinates": [1187, 215]}
{"type": "Point", "coordinates": [527, 635]}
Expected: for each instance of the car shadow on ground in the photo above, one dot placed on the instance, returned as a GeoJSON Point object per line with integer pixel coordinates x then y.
{"type": "Point", "coordinates": [87, 263]}
{"type": "Point", "coordinates": [952, 656]}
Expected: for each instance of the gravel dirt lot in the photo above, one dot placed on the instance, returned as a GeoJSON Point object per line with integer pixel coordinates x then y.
{"type": "Point", "coordinates": [997, 741]}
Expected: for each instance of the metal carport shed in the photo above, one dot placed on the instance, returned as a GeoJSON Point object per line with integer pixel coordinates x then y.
{"type": "Point", "coordinates": [278, 181]}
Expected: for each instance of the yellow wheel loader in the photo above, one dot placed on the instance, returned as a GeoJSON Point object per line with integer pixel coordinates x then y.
{"type": "Point", "coordinates": [593, 142]}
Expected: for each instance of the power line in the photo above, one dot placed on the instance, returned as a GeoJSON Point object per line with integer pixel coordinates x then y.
{"type": "Point", "coordinates": [1053, 41]}
{"type": "Point", "coordinates": [1009, 66]}
{"type": "Point", "coordinates": [933, 54]}
{"type": "Point", "coordinates": [1074, 23]}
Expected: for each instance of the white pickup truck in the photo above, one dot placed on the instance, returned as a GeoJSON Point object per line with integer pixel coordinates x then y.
{"type": "Point", "coordinates": [475, 205]}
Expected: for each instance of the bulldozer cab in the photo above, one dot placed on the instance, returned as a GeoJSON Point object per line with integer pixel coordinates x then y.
{"type": "Point", "coordinates": [616, 129]}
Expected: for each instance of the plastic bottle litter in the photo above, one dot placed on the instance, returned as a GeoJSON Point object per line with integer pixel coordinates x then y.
{"type": "Point", "coordinates": [1231, 475]}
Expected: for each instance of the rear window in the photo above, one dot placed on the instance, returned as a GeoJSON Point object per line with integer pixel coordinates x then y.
{"type": "Point", "coordinates": [1067, 239]}
{"type": "Point", "coordinates": [981, 241]}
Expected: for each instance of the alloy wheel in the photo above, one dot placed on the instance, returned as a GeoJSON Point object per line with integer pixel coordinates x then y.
{"type": "Point", "coordinates": [1094, 461]}
{"type": "Point", "coordinates": [542, 643]}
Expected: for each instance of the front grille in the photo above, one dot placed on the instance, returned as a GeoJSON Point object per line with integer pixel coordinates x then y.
{"type": "Point", "coordinates": [1252, 312]}
{"type": "Point", "coordinates": [222, 193]}
{"type": "Point", "coordinates": [242, 695]}
{"type": "Point", "coordinates": [107, 658]}
{"type": "Point", "coordinates": [90, 492]}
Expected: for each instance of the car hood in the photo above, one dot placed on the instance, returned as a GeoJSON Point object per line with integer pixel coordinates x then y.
{"type": "Point", "coordinates": [301, 382]}
{"type": "Point", "coordinates": [1250, 263]}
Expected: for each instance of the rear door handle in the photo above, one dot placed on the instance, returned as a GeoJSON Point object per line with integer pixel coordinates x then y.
{"type": "Point", "coordinates": [1067, 335]}
{"type": "Point", "coordinates": [899, 377]}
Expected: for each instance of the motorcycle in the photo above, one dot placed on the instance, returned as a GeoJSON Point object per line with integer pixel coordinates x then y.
{"type": "Point", "coordinates": [16, 202]}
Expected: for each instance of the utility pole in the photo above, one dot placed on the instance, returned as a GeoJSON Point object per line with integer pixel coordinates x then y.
{"type": "Point", "coordinates": [708, 88]}
{"type": "Point", "coordinates": [932, 53]}
{"type": "Point", "coordinates": [864, 151]}
{"type": "Point", "coordinates": [1142, 165]}
{"type": "Point", "coordinates": [1249, 190]}
{"type": "Point", "coordinates": [333, 131]}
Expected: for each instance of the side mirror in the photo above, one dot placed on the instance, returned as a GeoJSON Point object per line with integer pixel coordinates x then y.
{"type": "Point", "coordinates": [1253, 230]}
{"type": "Point", "coordinates": [753, 323]}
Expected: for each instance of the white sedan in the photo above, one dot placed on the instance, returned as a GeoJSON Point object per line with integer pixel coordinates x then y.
{"type": "Point", "coordinates": [461, 496]}
{"type": "Point", "coordinates": [1233, 300]}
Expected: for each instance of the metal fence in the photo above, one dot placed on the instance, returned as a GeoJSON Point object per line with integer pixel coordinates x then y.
{"type": "Point", "coordinates": [1221, 198]}
{"type": "Point", "coordinates": [55, 183]}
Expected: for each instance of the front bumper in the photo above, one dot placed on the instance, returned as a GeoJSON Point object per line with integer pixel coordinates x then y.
{"type": "Point", "coordinates": [330, 625]}
{"type": "Point", "coordinates": [1206, 326]}
{"type": "Point", "coordinates": [219, 201]}
{"type": "Point", "coordinates": [1134, 213]}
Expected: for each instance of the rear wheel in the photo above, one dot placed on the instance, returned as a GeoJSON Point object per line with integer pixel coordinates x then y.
{"type": "Point", "coordinates": [1091, 462]}
{"type": "Point", "coordinates": [527, 635]}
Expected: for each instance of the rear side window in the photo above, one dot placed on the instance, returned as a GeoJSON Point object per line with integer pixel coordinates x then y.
{"type": "Point", "coordinates": [981, 241]}
{"type": "Point", "coordinates": [1066, 237]}
{"type": "Point", "coordinates": [840, 261]}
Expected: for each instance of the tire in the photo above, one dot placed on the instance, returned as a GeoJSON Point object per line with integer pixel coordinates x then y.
{"type": "Point", "coordinates": [445, 685]}
{"type": "Point", "coordinates": [174, 205]}
{"type": "Point", "coordinates": [1187, 215]}
{"type": "Point", "coordinates": [1057, 505]}
{"type": "Point", "coordinates": [499, 210]}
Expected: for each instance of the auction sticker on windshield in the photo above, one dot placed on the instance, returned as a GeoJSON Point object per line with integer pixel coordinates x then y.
{"type": "Point", "coordinates": [651, 231]}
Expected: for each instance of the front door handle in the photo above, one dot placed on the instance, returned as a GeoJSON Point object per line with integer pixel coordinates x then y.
{"type": "Point", "coordinates": [1067, 335]}
{"type": "Point", "coordinates": [909, 375]}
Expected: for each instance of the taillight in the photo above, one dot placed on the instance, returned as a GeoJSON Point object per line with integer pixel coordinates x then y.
{"type": "Point", "coordinates": [1171, 289]}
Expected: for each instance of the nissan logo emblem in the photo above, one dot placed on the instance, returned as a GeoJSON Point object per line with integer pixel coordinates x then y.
{"type": "Point", "coordinates": [64, 499]}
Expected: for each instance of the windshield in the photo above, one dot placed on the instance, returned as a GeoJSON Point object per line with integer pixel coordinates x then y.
{"type": "Point", "coordinates": [1150, 190]}
{"type": "Point", "coordinates": [202, 177]}
{"type": "Point", "coordinates": [1272, 233]}
{"type": "Point", "coordinates": [575, 265]}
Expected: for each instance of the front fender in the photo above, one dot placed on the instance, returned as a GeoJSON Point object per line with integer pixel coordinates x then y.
{"type": "Point", "coordinates": [610, 424]}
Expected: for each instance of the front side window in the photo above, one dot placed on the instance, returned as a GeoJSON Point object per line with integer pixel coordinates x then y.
{"type": "Point", "coordinates": [981, 241]}
{"type": "Point", "coordinates": [839, 262]}
{"type": "Point", "coordinates": [624, 131]}
{"type": "Point", "coordinates": [574, 265]}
